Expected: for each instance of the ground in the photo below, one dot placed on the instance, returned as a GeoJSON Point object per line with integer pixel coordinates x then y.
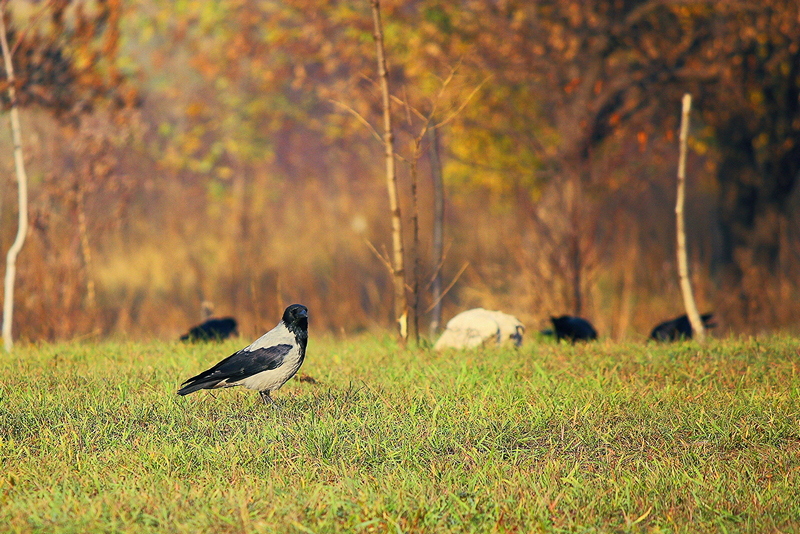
{"type": "Point", "coordinates": [548, 438]}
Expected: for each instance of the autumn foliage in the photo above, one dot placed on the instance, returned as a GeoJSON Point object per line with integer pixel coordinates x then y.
{"type": "Point", "coordinates": [182, 152]}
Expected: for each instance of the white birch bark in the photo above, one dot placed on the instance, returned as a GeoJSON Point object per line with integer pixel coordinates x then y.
{"type": "Point", "coordinates": [698, 331]}
{"type": "Point", "coordinates": [398, 264]}
{"type": "Point", "coordinates": [22, 181]}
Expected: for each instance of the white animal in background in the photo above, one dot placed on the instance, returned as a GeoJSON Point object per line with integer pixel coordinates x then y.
{"type": "Point", "coordinates": [476, 327]}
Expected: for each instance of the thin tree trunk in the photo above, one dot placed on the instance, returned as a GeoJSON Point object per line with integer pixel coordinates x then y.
{"type": "Point", "coordinates": [576, 260]}
{"type": "Point", "coordinates": [438, 230]}
{"type": "Point", "coordinates": [22, 180]}
{"type": "Point", "coordinates": [413, 304]}
{"type": "Point", "coordinates": [577, 293]}
{"type": "Point", "coordinates": [398, 266]}
{"type": "Point", "coordinates": [628, 285]}
{"type": "Point", "coordinates": [86, 251]}
{"type": "Point", "coordinates": [698, 331]}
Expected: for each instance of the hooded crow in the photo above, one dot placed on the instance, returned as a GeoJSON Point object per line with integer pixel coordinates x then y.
{"type": "Point", "coordinates": [573, 328]}
{"type": "Point", "coordinates": [212, 330]}
{"type": "Point", "coordinates": [679, 327]}
{"type": "Point", "coordinates": [264, 365]}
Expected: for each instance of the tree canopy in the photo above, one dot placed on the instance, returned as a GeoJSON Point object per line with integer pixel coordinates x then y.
{"type": "Point", "coordinates": [238, 134]}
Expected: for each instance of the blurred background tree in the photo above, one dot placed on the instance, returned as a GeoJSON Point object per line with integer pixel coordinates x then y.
{"type": "Point", "coordinates": [201, 145]}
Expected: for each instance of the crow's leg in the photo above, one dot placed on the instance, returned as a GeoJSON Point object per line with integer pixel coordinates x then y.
{"type": "Point", "coordinates": [266, 398]}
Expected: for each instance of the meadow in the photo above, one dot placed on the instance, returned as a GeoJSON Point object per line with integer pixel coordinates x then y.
{"type": "Point", "coordinates": [549, 438]}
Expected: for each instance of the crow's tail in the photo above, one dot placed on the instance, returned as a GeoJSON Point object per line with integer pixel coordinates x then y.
{"type": "Point", "coordinates": [191, 388]}
{"type": "Point", "coordinates": [197, 383]}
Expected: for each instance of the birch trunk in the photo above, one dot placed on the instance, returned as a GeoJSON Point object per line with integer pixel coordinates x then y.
{"type": "Point", "coordinates": [398, 267]}
{"type": "Point", "coordinates": [698, 331]}
{"type": "Point", "coordinates": [22, 181]}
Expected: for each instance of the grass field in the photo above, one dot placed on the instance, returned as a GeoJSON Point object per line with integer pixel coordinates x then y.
{"type": "Point", "coordinates": [550, 438]}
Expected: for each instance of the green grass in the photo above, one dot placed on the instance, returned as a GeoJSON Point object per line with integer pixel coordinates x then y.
{"type": "Point", "coordinates": [551, 438]}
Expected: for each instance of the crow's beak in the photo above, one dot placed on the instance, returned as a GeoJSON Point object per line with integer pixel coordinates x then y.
{"type": "Point", "coordinates": [302, 314]}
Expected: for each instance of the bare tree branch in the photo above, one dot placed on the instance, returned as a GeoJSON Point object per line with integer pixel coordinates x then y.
{"type": "Point", "coordinates": [360, 118]}
{"type": "Point", "coordinates": [449, 286]}
{"type": "Point", "coordinates": [454, 114]}
{"type": "Point", "coordinates": [380, 256]}
{"type": "Point", "coordinates": [32, 23]}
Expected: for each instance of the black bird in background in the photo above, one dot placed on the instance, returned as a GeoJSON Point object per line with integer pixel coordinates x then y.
{"type": "Point", "coordinates": [211, 329]}
{"type": "Point", "coordinates": [573, 328]}
{"type": "Point", "coordinates": [679, 327]}
{"type": "Point", "coordinates": [264, 365]}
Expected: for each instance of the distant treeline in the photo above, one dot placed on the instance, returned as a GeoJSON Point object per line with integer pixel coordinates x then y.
{"type": "Point", "coordinates": [218, 151]}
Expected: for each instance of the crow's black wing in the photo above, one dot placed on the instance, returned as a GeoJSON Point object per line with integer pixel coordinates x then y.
{"type": "Point", "coordinates": [242, 364]}
{"type": "Point", "coordinates": [238, 366]}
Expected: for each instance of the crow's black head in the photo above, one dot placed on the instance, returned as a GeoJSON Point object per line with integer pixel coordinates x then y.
{"type": "Point", "coordinates": [296, 319]}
